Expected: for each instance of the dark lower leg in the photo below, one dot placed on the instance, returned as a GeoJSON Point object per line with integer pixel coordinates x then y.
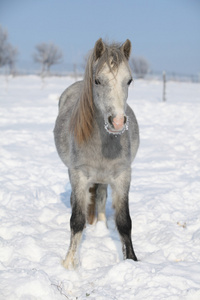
{"type": "Point", "coordinates": [124, 225]}
{"type": "Point", "coordinates": [77, 223]}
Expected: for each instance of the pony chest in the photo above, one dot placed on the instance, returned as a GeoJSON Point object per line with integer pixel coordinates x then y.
{"type": "Point", "coordinates": [100, 169]}
{"type": "Point", "coordinates": [102, 160]}
{"type": "Point", "coordinates": [102, 172]}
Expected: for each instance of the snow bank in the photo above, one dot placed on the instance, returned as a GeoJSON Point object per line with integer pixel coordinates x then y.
{"type": "Point", "coordinates": [164, 200]}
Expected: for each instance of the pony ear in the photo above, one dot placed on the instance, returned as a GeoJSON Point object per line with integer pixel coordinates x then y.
{"type": "Point", "coordinates": [99, 48]}
{"type": "Point", "coordinates": [126, 49]}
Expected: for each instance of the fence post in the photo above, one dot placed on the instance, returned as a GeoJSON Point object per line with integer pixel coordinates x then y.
{"type": "Point", "coordinates": [164, 86]}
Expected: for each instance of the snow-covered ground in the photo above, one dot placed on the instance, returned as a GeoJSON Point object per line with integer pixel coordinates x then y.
{"type": "Point", "coordinates": [164, 200]}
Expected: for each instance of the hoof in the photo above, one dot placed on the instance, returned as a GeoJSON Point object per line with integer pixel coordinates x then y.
{"type": "Point", "coordinates": [70, 264]}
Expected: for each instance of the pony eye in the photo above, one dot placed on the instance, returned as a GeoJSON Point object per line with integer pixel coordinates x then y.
{"type": "Point", "coordinates": [97, 82]}
{"type": "Point", "coordinates": [129, 82]}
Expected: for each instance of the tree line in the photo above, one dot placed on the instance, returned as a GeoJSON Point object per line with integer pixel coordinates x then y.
{"type": "Point", "coordinates": [48, 54]}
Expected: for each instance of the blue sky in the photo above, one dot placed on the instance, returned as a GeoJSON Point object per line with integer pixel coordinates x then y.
{"type": "Point", "coordinates": [165, 32]}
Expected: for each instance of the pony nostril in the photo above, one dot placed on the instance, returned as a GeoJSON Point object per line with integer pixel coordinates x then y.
{"type": "Point", "coordinates": [125, 119]}
{"type": "Point", "coordinates": [110, 120]}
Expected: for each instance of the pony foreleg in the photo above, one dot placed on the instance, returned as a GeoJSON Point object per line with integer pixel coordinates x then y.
{"type": "Point", "coordinates": [77, 224]}
{"type": "Point", "coordinates": [120, 191]}
{"type": "Point", "coordinates": [124, 226]}
{"type": "Point", "coordinates": [71, 260]}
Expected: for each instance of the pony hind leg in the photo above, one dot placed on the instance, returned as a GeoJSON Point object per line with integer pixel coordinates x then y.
{"type": "Point", "coordinates": [101, 202]}
{"type": "Point", "coordinates": [98, 198]}
{"type": "Point", "coordinates": [91, 210]}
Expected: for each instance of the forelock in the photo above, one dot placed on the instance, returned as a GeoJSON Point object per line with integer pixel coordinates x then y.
{"type": "Point", "coordinates": [112, 56]}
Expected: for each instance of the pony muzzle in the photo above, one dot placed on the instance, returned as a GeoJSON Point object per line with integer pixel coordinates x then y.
{"type": "Point", "coordinates": [117, 124]}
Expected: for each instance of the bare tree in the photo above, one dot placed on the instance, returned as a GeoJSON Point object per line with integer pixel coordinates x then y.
{"type": "Point", "coordinates": [47, 55]}
{"type": "Point", "coordinates": [11, 58]}
{"type": "Point", "coordinates": [3, 42]}
{"type": "Point", "coordinates": [8, 53]}
{"type": "Point", "coordinates": [139, 66]}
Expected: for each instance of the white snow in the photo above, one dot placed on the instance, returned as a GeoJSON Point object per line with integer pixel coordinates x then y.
{"type": "Point", "coordinates": [164, 200]}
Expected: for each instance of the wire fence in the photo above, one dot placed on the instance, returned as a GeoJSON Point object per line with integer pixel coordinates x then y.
{"type": "Point", "coordinates": [77, 70]}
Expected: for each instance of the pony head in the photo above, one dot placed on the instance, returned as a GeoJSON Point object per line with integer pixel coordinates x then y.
{"type": "Point", "coordinates": [105, 90]}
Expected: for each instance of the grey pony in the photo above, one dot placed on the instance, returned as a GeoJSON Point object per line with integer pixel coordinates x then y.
{"type": "Point", "coordinates": [97, 137]}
